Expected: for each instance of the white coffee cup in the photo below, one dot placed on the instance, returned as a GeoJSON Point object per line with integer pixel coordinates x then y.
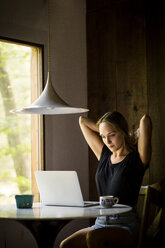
{"type": "Point", "coordinates": [108, 201]}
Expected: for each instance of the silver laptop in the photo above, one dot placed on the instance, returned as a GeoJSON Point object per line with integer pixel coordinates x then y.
{"type": "Point", "coordinates": [60, 188]}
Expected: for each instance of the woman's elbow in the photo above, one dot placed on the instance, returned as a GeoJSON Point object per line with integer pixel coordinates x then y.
{"type": "Point", "coordinates": [146, 123]}
{"type": "Point", "coordinates": [146, 119]}
{"type": "Point", "coordinates": [81, 120]}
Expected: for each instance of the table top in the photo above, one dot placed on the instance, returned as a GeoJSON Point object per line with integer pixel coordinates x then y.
{"type": "Point", "coordinates": [41, 212]}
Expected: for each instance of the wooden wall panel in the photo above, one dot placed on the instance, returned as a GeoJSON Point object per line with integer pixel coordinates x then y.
{"type": "Point", "coordinates": [155, 23]}
{"type": "Point", "coordinates": [101, 63]}
{"type": "Point", "coordinates": [131, 63]}
{"type": "Point", "coordinates": [101, 69]}
{"type": "Point", "coordinates": [132, 90]}
{"type": "Point", "coordinates": [125, 61]}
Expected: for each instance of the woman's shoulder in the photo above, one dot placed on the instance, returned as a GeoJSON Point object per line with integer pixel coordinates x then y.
{"type": "Point", "coordinates": [105, 153]}
{"type": "Point", "coordinates": [134, 159]}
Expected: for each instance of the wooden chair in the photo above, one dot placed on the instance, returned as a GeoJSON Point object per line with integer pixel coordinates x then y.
{"type": "Point", "coordinates": [118, 237]}
{"type": "Point", "coordinates": [152, 220]}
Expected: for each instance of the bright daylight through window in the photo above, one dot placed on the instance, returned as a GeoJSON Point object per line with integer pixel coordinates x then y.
{"type": "Point", "coordinates": [20, 135]}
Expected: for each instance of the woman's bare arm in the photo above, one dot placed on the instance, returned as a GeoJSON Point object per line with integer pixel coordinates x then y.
{"type": "Point", "coordinates": [91, 135]}
{"type": "Point", "coordinates": [144, 139]}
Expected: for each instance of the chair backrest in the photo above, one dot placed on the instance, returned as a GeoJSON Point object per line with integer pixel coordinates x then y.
{"type": "Point", "coordinates": [154, 195]}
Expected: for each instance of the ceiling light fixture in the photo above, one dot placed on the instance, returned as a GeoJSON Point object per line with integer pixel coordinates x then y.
{"type": "Point", "coordinates": [49, 102]}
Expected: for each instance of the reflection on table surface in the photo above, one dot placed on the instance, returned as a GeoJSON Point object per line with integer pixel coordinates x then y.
{"type": "Point", "coordinates": [42, 212]}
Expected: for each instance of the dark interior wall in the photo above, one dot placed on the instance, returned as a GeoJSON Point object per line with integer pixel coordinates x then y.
{"type": "Point", "coordinates": [125, 68]}
{"type": "Point", "coordinates": [65, 148]}
{"type": "Point", "coordinates": [155, 40]}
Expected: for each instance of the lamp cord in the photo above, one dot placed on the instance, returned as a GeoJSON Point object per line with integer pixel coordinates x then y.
{"type": "Point", "coordinates": [48, 36]}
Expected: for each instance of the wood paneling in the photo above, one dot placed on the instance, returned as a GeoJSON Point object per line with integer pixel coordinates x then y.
{"type": "Point", "coordinates": [155, 36]}
{"type": "Point", "coordinates": [125, 48]}
{"type": "Point", "coordinates": [101, 74]}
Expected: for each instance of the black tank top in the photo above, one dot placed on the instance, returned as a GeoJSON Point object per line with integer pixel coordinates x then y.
{"type": "Point", "coordinates": [122, 179]}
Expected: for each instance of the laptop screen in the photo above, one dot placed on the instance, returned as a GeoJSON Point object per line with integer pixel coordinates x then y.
{"type": "Point", "coordinates": [59, 188]}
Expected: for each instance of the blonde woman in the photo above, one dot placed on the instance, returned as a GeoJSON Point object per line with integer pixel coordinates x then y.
{"type": "Point", "coordinates": [121, 167]}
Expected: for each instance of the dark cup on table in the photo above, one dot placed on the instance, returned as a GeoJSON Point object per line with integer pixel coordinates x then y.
{"type": "Point", "coordinates": [24, 201]}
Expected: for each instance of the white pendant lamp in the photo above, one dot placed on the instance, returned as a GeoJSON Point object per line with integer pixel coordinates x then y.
{"type": "Point", "coordinates": [49, 102]}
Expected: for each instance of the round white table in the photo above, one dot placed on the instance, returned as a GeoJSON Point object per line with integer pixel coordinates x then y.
{"type": "Point", "coordinates": [45, 222]}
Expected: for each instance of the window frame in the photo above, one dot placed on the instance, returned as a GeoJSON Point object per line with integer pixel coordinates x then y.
{"type": "Point", "coordinates": [37, 121]}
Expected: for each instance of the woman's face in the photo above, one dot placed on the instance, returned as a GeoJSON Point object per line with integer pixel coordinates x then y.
{"type": "Point", "coordinates": [111, 137]}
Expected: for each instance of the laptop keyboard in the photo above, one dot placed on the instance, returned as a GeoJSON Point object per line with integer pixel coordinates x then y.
{"type": "Point", "coordinates": [88, 203]}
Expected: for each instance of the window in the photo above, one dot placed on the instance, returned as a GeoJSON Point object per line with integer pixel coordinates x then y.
{"type": "Point", "coordinates": [21, 139]}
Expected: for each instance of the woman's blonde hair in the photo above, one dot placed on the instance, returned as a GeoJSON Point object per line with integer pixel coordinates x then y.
{"type": "Point", "coordinates": [117, 119]}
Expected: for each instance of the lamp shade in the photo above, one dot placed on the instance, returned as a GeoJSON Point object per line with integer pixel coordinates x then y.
{"type": "Point", "coordinates": [49, 103]}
